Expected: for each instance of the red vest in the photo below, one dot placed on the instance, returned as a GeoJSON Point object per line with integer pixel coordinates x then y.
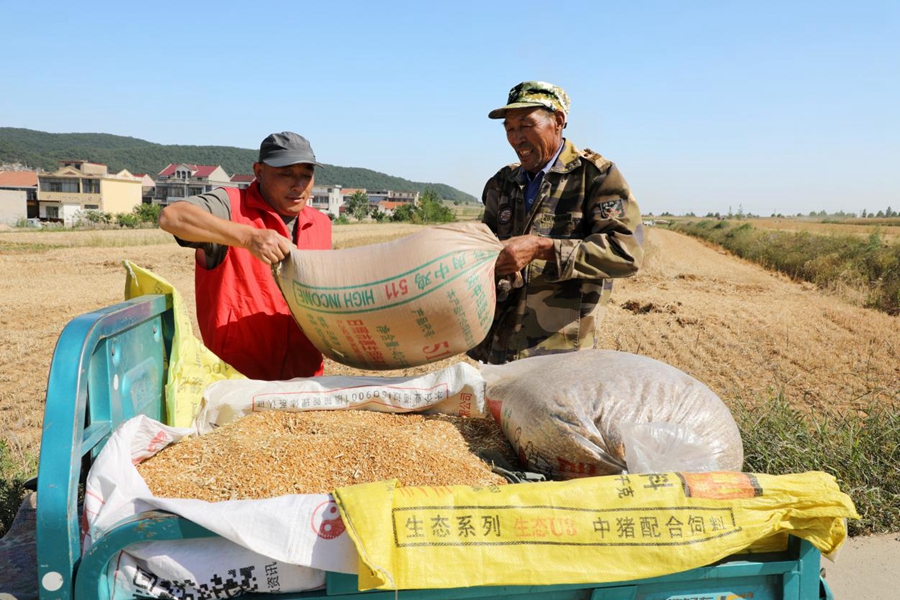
{"type": "Point", "coordinates": [242, 315]}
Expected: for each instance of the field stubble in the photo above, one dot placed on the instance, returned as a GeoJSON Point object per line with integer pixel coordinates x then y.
{"type": "Point", "coordinates": [890, 228]}
{"type": "Point", "coordinates": [750, 334]}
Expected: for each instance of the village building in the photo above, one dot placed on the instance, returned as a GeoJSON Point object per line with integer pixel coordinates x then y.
{"type": "Point", "coordinates": [148, 186]}
{"type": "Point", "coordinates": [79, 185]}
{"type": "Point", "coordinates": [180, 181]}
{"type": "Point", "coordinates": [328, 199]}
{"type": "Point", "coordinates": [82, 185]}
{"type": "Point", "coordinates": [378, 196]}
{"type": "Point", "coordinates": [388, 208]}
{"type": "Point", "coordinates": [18, 196]}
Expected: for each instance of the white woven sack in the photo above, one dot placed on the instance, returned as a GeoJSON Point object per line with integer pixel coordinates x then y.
{"type": "Point", "coordinates": [585, 413]}
{"type": "Point", "coordinates": [454, 390]}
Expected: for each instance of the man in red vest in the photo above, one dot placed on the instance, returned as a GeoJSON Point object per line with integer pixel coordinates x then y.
{"type": "Point", "coordinates": [238, 235]}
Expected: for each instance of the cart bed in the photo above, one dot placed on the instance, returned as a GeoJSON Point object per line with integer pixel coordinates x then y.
{"type": "Point", "coordinates": [110, 365]}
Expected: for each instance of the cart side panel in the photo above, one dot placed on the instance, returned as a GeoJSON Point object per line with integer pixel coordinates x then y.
{"type": "Point", "coordinates": [107, 367]}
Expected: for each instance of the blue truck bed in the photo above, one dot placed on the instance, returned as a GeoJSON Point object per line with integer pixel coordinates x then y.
{"type": "Point", "coordinates": [110, 365]}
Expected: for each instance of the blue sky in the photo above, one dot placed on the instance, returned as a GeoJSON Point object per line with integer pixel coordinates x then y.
{"type": "Point", "coordinates": [765, 107]}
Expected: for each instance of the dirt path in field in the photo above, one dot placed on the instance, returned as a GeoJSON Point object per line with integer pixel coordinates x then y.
{"type": "Point", "coordinates": [750, 334]}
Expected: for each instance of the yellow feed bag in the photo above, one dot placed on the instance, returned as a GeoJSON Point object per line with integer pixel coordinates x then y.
{"type": "Point", "coordinates": [592, 530]}
{"type": "Point", "coordinates": [192, 366]}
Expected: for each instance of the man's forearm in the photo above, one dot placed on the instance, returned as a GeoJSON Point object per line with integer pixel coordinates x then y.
{"type": "Point", "coordinates": [193, 224]}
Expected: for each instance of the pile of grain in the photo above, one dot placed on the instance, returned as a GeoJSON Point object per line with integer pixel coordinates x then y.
{"type": "Point", "coordinates": [273, 453]}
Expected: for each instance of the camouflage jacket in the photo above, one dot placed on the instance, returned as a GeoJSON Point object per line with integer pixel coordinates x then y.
{"type": "Point", "coordinates": [586, 206]}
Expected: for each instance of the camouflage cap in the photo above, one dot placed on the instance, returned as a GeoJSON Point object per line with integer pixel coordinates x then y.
{"type": "Point", "coordinates": [534, 93]}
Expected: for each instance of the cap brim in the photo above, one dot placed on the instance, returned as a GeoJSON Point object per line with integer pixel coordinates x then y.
{"type": "Point", "coordinates": [500, 113]}
{"type": "Point", "coordinates": [286, 161]}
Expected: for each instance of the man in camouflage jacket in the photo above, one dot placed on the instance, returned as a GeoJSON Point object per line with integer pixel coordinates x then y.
{"type": "Point", "coordinates": [569, 224]}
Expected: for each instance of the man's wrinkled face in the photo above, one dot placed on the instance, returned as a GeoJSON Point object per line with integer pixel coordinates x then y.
{"type": "Point", "coordinates": [535, 134]}
{"type": "Point", "coordinates": [286, 189]}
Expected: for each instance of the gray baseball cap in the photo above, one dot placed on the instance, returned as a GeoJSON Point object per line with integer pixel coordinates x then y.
{"type": "Point", "coordinates": [286, 148]}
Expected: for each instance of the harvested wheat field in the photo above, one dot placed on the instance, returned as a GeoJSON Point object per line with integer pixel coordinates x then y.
{"type": "Point", "coordinates": [751, 334]}
{"type": "Point", "coordinates": [747, 333]}
{"type": "Point", "coordinates": [890, 228]}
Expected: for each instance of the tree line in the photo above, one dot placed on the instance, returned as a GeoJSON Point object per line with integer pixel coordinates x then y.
{"type": "Point", "coordinates": [888, 213]}
{"type": "Point", "coordinates": [41, 150]}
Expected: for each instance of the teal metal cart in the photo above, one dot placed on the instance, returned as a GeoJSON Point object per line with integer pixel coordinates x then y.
{"type": "Point", "coordinates": [110, 365]}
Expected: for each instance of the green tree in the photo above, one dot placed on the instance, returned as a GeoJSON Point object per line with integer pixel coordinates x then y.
{"type": "Point", "coordinates": [129, 220]}
{"type": "Point", "coordinates": [148, 213]}
{"type": "Point", "coordinates": [432, 210]}
{"type": "Point", "coordinates": [358, 205]}
{"type": "Point", "coordinates": [405, 212]}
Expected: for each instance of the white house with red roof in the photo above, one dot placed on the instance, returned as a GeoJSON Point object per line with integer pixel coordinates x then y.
{"type": "Point", "coordinates": [178, 181]}
{"type": "Point", "coordinates": [388, 207]}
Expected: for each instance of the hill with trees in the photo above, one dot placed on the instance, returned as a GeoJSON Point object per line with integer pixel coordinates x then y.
{"type": "Point", "coordinates": [42, 150]}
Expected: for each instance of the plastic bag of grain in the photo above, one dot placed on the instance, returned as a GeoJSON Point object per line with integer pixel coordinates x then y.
{"type": "Point", "coordinates": [454, 390]}
{"type": "Point", "coordinates": [579, 414]}
{"type": "Point", "coordinates": [409, 302]}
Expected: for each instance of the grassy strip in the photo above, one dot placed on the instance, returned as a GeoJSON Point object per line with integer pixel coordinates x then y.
{"type": "Point", "coordinates": [13, 474]}
{"type": "Point", "coordinates": [862, 451]}
{"type": "Point", "coordinates": [28, 248]}
{"type": "Point", "coordinates": [869, 263]}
